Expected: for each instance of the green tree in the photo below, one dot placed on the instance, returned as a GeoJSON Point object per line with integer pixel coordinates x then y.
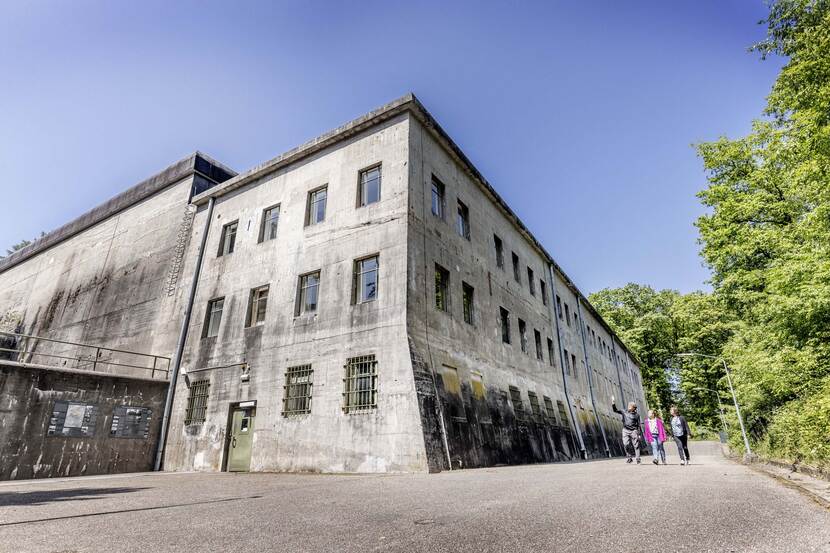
{"type": "Point", "coordinates": [767, 235]}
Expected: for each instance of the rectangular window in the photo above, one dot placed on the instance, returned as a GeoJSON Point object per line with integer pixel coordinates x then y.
{"type": "Point", "coordinates": [365, 281]}
{"type": "Point", "coordinates": [452, 386]}
{"type": "Point", "coordinates": [442, 287]}
{"type": "Point", "coordinates": [576, 320]}
{"type": "Point", "coordinates": [538, 337]}
{"type": "Point", "coordinates": [360, 384]}
{"type": "Point", "coordinates": [257, 306]}
{"type": "Point", "coordinates": [296, 398]}
{"type": "Point", "coordinates": [197, 402]}
{"type": "Point", "coordinates": [567, 314]}
{"type": "Point", "coordinates": [516, 399]}
{"type": "Point", "coordinates": [499, 252]}
{"type": "Point", "coordinates": [516, 274]}
{"type": "Point", "coordinates": [563, 415]}
{"type": "Point", "coordinates": [535, 408]}
{"type": "Point", "coordinates": [531, 281]}
{"type": "Point", "coordinates": [567, 363]}
{"type": "Point", "coordinates": [523, 335]}
{"type": "Point", "coordinates": [437, 198]}
{"type": "Point", "coordinates": [307, 293]}
{"type": "Point", "coordinates": [504, 316]}
{"type": "Point", "coordinates": [549, 412]}
{"type": "Point", "coordinates": [477, 385]}
{"type": "Point", "coordinates": [270, 221]}
{"type": "Point", "coordinates": [213, 316]}
{"type": "Point", "coordinates": [463, 221]}
{"type": "Point", "coordinates": [543, 289]}
{"type": "Point", "coordinates": [227, 240]}
{"type": "Point", "coordinates": [369, 186]}
{"type": "Point", "coordinates": [559, 306]}
{"type": "Point", "coordinates": [550, 352]}
{"type": "Point", "coordinates": [316, 209]}
{"type": "Point", "coordinates": [468, 301]}
{"type": "Point", "coordinates": [573, 365]}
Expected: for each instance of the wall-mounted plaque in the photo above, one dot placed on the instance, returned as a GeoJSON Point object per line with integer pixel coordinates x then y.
{"type": "Point", "coordinates": [73, 419]}
{"type": "Point", "coordinates": [131, 422]}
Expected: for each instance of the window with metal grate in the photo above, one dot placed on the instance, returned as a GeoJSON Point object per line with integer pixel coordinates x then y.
{"type": "Point", "coordinates": [360, 384]}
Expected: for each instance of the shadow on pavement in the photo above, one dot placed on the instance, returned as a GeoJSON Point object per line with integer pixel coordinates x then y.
{"type": "Point", "coordinates": [52, 496]}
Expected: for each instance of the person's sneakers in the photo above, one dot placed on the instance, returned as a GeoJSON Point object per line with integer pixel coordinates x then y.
{"type": "Point", "coordinates": [629, 460]}
{"type": "Point", "coordinates": [655, 461]}
{"type": "Point", "coordinates": [664, 461]}
{"type": "Point", "coordinates": [638, 461]}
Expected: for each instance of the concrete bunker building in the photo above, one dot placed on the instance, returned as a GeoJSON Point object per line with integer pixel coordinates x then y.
{"type": "Point", "coordinates": [366, 302]}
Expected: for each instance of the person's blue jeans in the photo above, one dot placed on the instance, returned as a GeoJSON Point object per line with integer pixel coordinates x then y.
{"type": "Point", "coordinates": [657, 449]}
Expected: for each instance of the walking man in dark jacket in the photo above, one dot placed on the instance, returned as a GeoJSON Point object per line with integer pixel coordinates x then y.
{"type": "Point", "coordinates": [681, 434]}
{"type": "Point", "coordinates": [631, 429]}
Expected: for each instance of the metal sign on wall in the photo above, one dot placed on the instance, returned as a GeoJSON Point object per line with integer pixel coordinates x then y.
{"type": "Point", "coordinates": [131, 422]}
{"type": "Point", "coordinates": [73, 419]}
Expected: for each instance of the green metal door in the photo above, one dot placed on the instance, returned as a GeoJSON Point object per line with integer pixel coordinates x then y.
{"type": "Point", "coordinates": [240, 438]}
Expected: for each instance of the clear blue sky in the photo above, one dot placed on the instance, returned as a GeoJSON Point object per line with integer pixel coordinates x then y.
{"type": "Point", "coordinates": [582, 114]}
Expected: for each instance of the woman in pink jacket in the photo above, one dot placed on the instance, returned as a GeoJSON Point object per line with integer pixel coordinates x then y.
{"type": "Point", "coordinates": [655, 434]}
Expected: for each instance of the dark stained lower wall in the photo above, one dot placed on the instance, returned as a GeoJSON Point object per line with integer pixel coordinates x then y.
{"type": "Point", "coordinates": [28, 399]}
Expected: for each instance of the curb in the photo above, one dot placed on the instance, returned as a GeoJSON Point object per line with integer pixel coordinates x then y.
{"type": "Point", "coordinates": [818, 498]}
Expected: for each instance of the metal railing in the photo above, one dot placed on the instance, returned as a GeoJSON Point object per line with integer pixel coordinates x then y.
{"type": "Point", "coordinates": [23, 348]}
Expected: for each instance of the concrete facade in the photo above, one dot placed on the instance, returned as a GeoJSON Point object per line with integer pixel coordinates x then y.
{"type": "Point", "coordinates": [35, 443]}
{"type": "Point", "coordinates": [449, 393]}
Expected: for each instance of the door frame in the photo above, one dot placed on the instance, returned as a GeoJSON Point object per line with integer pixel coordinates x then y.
{"type": "Point", "coordinates": [226, 448]}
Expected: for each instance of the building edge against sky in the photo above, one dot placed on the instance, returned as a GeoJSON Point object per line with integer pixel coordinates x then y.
{"type": "Point", "coordinates": [473, 349]}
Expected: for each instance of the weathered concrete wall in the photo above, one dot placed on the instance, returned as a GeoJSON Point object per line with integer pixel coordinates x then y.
{"type": "Point", "coordinates": [483, 428]}
{"type": "Point", "coordinates": [28, 398]}
{"type": "Point", "coordinates": [109, 278]}
{"type": "Point", "coordinates": [387, 439]}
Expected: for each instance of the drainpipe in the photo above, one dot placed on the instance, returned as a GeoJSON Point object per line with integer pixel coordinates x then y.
{"type": "Point", "coordinates": [589, 372]}
{"type": "Point", "coordinates": [177, 359]}
{"type": "Point", "coordinates": [554, 308]}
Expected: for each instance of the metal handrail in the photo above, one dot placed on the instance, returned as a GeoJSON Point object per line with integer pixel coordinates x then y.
{"type": "Point", "coordinates": [93, 359]}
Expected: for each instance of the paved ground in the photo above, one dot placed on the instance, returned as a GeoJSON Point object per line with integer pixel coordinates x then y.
{"type": "Point", "coordinates": [713, 505]}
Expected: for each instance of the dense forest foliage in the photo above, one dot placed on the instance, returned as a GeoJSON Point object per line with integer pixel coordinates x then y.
{"type": "Point", "coordinates": [766, 239]}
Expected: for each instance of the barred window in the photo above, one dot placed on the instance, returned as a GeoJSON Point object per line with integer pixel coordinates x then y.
{"type": "Point", "coordinates": [535, 409]}
{"type": "Point", "coordinates": [270, 221]}
{"type": "Point", "coordinates": [197, 402]}
{"type": "Point", "coordinates": [360, 390]}
{"type": "Point", "coordinates": [227, 240]}
{"type": "Point", "coordinates": [549, 412]}
{"type": "Point", "coordinates": [369, 186]}
{"type": "Point", "coordinates": [213, 317]}
{"type": "Point", "coordinates": [297, 390]}
{"type": "Point", "coordinates": [563, 415]}
{"type": "Point", "coordinates": [316, 209]}
{"type": "Point", "coordinates": [516, 399]}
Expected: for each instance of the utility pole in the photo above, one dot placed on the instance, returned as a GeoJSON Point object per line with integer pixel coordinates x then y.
{"type": "Point", "coordinates": [731, 389]}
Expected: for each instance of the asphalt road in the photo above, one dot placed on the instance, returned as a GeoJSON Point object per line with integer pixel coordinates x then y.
{"type": "Point", "coordinates": [712, 505]}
